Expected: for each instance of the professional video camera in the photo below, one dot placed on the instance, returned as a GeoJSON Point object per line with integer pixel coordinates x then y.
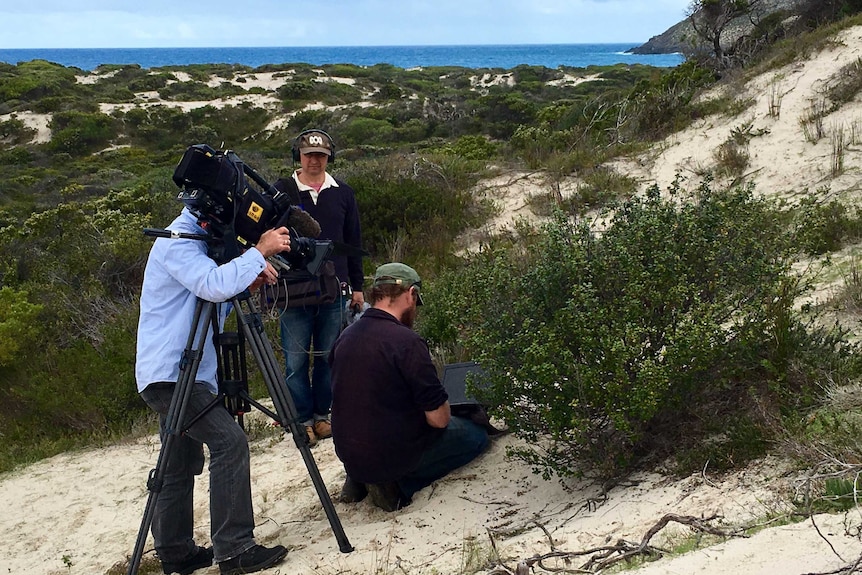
{"type": "Point", "coordinates": [214, 187]}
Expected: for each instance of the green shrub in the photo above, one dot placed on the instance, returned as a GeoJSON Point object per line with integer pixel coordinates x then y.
{"type": "Point", "coordinates": [366, 131]}
{"type": "Point", "coordinates": [502, 113]}
{"type": "Point", "coordinates": [51, 104]}
{"type": "Point", "coordinates": [79, 133]}
{"type": "Point", "coordinates": [665, 106]}
{"type": "Point", "coordinates": [15, 156]}
{"type": "Point", "coordinates": [823, 227]}
{"type": "Point", "coordinates": [388, 91]}
{"type": "Point", "coordinates": [536, 144]}
{"type": "Point", "coordinates": [198, 91]}
{"type": "Point", "coordinates": [19, 329]}
{"type": "Point", "coordinates": [35, 80]}
{"type": "Point", "coordinates": [294, 91]}
{"type": "Point", "coordinates": [472, 148]}
{"type": "Point", "coordinates": [413, 207]}
{"type": "Point", "coordinates": [159, 127]}
{"type": "Point", "coordinates": [644, 341]}
{"type": "Point", "coordinates": [230, 124]}
{"type": "Point", "coordinates": [149, 83]}
{"type": "Point", "coordinates": [14, 131]}
{"type": "Point", "coordinates": [600, 188]}
{"type": "Point", "coordinates": [317, 119]}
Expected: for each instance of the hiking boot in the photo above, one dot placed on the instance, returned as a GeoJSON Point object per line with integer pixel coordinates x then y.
{"type": "Point", "coordinates": [479, 416]}
{"type": "Point", "coordinates": [322, 429]}
{"type": "Point", "coordinates": [255, 559]}
{"type": "Point", "coordinates": [352, 491]}
{"type": "Point", "coordinates": [201, 558]}
{"type": "Point", "coordinates": [312, 438]}
{"type": "Point", "coordinates": [387, 496]}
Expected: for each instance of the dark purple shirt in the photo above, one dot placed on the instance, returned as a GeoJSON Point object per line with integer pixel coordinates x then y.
{"type": "Point", "coordinates": [383, 382]}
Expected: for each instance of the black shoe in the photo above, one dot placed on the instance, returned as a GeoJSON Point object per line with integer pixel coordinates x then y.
{"type": "Point", "coordinates": [478, 414]}
{"type": "Point", "coordinates": [387, 496]}
{"type": "Point", "coordinates": [201, 558]}
{"type": "Point", "coordinates": [255, 559]}
{"type": "Point", "coordinates": [352, 491]}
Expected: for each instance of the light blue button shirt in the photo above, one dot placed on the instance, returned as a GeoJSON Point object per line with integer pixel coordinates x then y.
{"type": "Point", "coordinates": [178, 272]}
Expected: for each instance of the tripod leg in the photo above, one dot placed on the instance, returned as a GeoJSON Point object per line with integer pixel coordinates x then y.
{"type": "Point", "coordinates": [252, 327]}
{"type": "Point", "coordinates": [174, 419]}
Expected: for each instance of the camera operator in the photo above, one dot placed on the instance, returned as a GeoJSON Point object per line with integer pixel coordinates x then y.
{"type": "Point", "coordinates": [179, 271]}
{"type": "Point", "coordinates": [308, 331]}
{"type": "Point", "coordinates": [392, 424]}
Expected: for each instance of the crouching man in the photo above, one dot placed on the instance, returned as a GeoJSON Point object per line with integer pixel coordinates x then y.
{"type": "Point", "coordinates": [391, 423]}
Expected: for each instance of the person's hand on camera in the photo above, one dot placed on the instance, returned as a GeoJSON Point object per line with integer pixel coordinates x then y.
{"type": "Point", "coordinates": [268, 276]}
{"type": "Point", "coordinates": [274, 242]}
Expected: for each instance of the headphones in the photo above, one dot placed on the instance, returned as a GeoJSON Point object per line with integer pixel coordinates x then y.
{"type": "Point", "coordinates": [295, 147]}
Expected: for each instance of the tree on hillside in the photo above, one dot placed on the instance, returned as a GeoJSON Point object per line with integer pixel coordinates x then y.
{"type": "Point", "coordinates": [817, 12]}
{"type": "Point", "coordinates": [711, 19]}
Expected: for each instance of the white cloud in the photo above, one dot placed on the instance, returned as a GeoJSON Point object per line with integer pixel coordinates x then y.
{"type": "Point", "coordinates": [103, 23]}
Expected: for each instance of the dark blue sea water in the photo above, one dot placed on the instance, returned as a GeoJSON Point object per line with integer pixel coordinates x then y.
{"type": "Point", "coordinates": [504, 56]}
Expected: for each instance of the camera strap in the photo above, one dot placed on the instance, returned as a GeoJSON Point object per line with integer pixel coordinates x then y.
{"type": "Point", "coordinates": [289, 187]}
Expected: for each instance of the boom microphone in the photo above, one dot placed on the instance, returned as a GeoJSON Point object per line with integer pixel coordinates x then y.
{"type": "Point", "coordinates": [299, 220]}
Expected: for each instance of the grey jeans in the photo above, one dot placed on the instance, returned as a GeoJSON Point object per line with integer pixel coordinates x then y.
{"type": "Point", "coordinates": [231, 513]}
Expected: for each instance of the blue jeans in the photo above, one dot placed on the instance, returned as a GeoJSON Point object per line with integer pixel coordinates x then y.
{"type": "Point", "coordinates": [231, 513]}
{"type": "Point", "coordinates": [307, 332]}
{"type": "Point", "coordinates": [460, 443]}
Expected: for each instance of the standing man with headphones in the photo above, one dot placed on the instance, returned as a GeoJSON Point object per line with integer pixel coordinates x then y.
{"type": "Point", "coordinates": [308, 332]}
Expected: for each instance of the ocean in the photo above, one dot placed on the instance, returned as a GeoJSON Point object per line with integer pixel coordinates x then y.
{"type": "Point", "coordinates": [502, 56]}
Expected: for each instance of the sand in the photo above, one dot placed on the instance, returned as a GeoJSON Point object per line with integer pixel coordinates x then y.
{"type": "Point", "coordinates": [79, 513]}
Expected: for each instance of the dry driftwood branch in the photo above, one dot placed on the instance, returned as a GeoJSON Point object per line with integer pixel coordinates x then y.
{"type": "Point", "coordinates": [603, 557]}
{"type": "Point", "coordinates": [547, 534]}
{"type": "Point", "coordinates": [855, 567]}
{"type": "Point", "coordinates": [814, 523]}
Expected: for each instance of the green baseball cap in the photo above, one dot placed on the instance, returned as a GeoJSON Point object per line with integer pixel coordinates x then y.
{"type": "Point", "coordinates": [399, 274]}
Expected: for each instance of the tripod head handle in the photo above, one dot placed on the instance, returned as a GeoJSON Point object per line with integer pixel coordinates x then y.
{"type": "Point", "coordinates": [160, 233]}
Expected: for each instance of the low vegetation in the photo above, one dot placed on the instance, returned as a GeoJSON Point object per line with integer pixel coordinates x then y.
{"type": "Point", "coordinates": [673, 333]}
{"type": "Point", "coordinates": [600, 347]}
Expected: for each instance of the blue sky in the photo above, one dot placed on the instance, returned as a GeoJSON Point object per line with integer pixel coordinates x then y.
{"type": "Point", "coordinates": [220, 23]}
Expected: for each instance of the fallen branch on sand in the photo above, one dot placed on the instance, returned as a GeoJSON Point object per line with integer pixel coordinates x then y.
{"type": "Point", "coordinates": [600, 558]}
{"type": "Point", "coordinates": [855, 567]}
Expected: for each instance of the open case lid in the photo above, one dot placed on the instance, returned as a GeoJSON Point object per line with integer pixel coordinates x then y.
{"type": "Point", "coordinates": [455, 382]}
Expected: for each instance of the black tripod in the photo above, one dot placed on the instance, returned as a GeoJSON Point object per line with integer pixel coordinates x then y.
{"type": "Point", "coordinates": [237, 400]}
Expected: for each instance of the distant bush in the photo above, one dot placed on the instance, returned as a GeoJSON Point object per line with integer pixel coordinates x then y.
{"type": "Point", "coordinates": [825, 227]}
{"type": "Point", "coordinates": [18, 156]}
{"type": "Point", "coordinates": [159, 127]}
{"type": "Point", "coordinates": [367, 131]}
{"type": "Point", "coordinates": [78, 133]}
{"type": "Point", "coordinates": [388, 91]}
{"type": "Point", "coordinates": [230, 124]}
{"type": "Point", "coordinates": [472, 148]}
{"type": "Point", "coordinates": [535, 144]}
{"type": "Point", "coordinates": [504, 112]}
{"type": "Point", "coordinates": [19, 328]}
{"type": "Point", "coordinates": [665, 106]}
{"type": "Point", "coordinates": [198, 91]}
{"type": "Point", "coordinates": [318, 119]}
{"type": "Point", "coordinates": [413, 207]}
{"type": "Point", "coordinates": [35, 80]}
{"type": "Point", "coordinates": [296, 91]}
{"type": "Point", "coordinates": [14, 131]}
{"type": "Point", "coordinates": [65, 103]}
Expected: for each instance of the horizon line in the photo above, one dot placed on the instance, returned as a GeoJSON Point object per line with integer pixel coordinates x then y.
{"type": "Point", "coordinates": [636, 43]}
